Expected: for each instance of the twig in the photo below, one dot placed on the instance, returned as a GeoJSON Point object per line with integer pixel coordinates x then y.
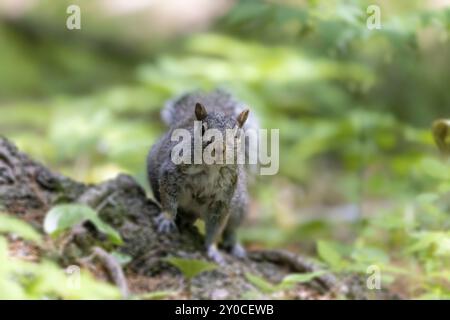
{"type": "Point", "coordinates": [114, 269]}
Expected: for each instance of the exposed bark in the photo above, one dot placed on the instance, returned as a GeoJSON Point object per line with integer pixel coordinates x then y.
{"type": "Point", "coordinates": [28, 189]}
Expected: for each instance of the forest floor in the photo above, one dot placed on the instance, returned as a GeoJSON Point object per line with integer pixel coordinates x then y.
{"type": "Point", "coordinates": [28, 190]}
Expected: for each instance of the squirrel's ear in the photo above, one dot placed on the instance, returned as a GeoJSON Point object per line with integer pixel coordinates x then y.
{"type": "Point", "coordinates": [200, 111]}
{"type": "Point", "coordinates": [242, 117]}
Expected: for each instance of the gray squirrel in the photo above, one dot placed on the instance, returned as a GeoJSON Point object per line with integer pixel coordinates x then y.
{"type": "Point", "coordinates": [216, 193]}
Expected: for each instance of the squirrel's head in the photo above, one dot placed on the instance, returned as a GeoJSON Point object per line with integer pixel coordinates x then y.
{"type": "Point", "coordinates": [220, 132]}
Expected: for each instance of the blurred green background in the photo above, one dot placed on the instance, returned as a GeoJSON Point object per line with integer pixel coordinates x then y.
{"type": "Point", "coordinates": [360, 179]}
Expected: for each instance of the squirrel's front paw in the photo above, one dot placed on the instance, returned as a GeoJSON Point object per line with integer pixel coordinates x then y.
{"type": "Point", "coordinates": [214, 254]}
{"type": "Point", "coordinates": [238, 251]}
{"type": "Point", "coordinates": [165, 224]}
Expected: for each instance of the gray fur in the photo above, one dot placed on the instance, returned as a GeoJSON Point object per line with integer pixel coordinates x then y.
{"type": "Point", "coordinates": [216, 193]}
{"type": "Point", "coordinates": [180, 109]}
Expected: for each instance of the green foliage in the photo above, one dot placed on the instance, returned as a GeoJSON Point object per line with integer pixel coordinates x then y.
{"type": "Point", "coordinates": [190, 268]}
{"type": "Point", "coordinates": [261, 283]}
{"type": "Point", "coordinates": [44, 279]}
{"type": "Point", "coordinates": [328, 253]}
{"type": "Point", "coordinates": [358, 165]}
{"type": "Point", "coordinates": [23, 280]}
{"type": "Point", "coordinates": [429, 243]}
{"type": "Point", "coordinates": [63, 217]}
{"type": "Point", "coordinates": [9, 224]}
{"type": "Point", "coordinates": [156, 295]}
{"type": "Point", "coordinates": [295, 278]}
{"type": "Point", "coordinates": [435, 169]}
{"type": "Point", "coordinates": [121, 258]}
{"type": "Point", "coordinates": [287, 282]}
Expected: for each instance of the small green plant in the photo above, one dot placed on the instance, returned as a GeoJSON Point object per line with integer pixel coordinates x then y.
{"type": "Point", "coordinates": [295, 278]}
{"type": "Point", "coordinates": [45, 279]}
{"type": "Point", "coordinates": [288, 281]}
{"type": "Point", "coordinates": [63, 217]}
{"type": "Point", "coordinates": [121, 258]}
{"type": "Point", "coordinates": [156, 295]}
{"type": "Point", "coordinates": [190, 268]}
{"type": "Point", "coordinates": [330, 254]}
{"type": "Point", "coordinates": [9, 224]}
{"type": "Point", "coordinates": [262, 284]}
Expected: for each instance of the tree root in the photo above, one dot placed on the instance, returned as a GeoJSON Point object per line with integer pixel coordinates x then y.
{"type": "Point", "coordinates": [114, 270]}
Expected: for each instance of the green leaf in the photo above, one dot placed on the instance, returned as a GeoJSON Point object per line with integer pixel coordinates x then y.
{"type": "Point", "coordinates": [156, 295]}
{"type": "Point", "coordinates": [45, 279]}
{"type": "Point", "coordinates": [295, 278]}
{"type": "Point", "coordinates": [191, 267]}
{"type": "Point", "coordinates": [9, 224]}
{"type": "Point", "coordinates": [122, 259]}
{"type": "Point", "coordinates": [287, 282]}
{"type": "Point", "coordinates": [370, 255]}
{"type": "Point", "coordinates": [435, 169]}
{"type": "Point", "coordinates": [261, 283]}
{"type": "Point", "coordinates": [436, 242]}
{"type": "Point", "coordinates": [63, 217]}
{"type": "Point", "coordinates": [425, 198]}
{"type": "Point", "coordinates": [329, 254]}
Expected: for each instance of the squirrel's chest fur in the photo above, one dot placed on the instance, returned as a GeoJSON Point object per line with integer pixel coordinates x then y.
{"type": "Point", "coordinates": [205, 186]}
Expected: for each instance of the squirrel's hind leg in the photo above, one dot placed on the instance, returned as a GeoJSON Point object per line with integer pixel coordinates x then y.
{"type": "Point", "coordinates": [230, 242]}
{"type": "Point", "coordinates": [214, 226]}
